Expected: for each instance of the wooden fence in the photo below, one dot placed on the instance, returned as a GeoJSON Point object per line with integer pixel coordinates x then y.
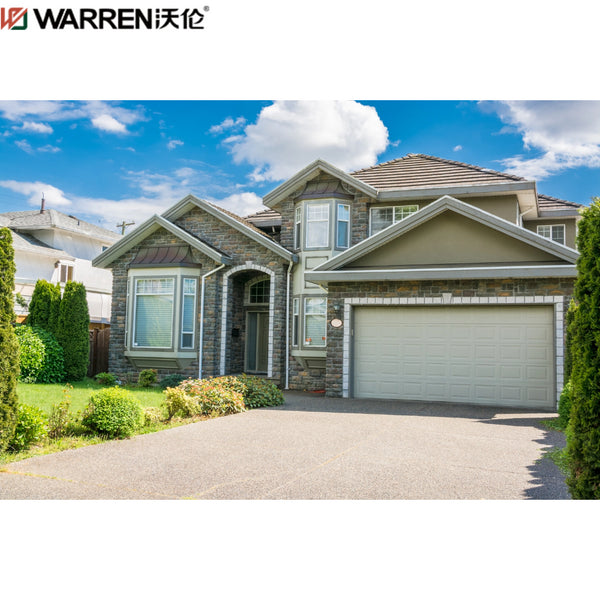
{"type": "Point", "coordinates": [98, 351]}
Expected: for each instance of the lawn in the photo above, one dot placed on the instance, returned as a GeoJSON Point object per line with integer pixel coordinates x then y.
{"type": "Point", "coordinates": [45, 395]}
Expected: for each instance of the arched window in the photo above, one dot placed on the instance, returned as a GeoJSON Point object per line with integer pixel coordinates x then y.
{"type": "Point", "coordinates": [258, 291]}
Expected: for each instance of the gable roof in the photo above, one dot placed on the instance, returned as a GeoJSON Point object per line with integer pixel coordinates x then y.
{"type": "Point", "coordinates": [422, 170]}
{"type": "Point", "coordinates": [330, 270]}
{"type": "Point", "coordinates": [233, 220]}
{"type": "Point", "coordinates": [147, 228]}
{"type": "Point", "coordinates": [29, 220]}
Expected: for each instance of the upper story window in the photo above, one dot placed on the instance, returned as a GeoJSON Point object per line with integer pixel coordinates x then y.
{"type": "Point", "coordinates": [384, 216]}
{"type": "Point", "coordinates": [297, 227]}
{"type": "Point", "coordinates": [342, 231]}
{"type": "Point", "coordinates": [317, 225]}
{"type": "Point", "coordinates": [556, 233]}
{"type": "Point", "coordinates": [65, 272]}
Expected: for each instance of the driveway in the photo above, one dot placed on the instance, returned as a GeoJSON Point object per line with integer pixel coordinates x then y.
{"type": "Point", "coordinates": [312, 448]}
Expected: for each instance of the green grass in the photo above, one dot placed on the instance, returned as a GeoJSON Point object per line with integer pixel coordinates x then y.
{"type": "Point", "coordinates": [44, 395]}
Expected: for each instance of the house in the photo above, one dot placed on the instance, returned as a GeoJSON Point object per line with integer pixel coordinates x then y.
{"type": "Point", "coordinates": [57, 247]}
{"type": "Point", "coordinates": [420, 278]}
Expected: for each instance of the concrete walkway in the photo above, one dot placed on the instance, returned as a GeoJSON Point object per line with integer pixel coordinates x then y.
{"type": "Point", "coordinates": [312, 448]}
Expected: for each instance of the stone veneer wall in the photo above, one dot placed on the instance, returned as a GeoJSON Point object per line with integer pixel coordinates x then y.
{"type": "Point", "coordinates": [242, 250]}
{"type": "Point", "coordinates": [426, 289]}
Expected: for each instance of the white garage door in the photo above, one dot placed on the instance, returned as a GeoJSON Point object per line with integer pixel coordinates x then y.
{"type": "Point", "coordinates": [490, 355]}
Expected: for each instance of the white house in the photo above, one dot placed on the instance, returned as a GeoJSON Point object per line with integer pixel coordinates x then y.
{"type": "Point", "coordinates": [57, 247]}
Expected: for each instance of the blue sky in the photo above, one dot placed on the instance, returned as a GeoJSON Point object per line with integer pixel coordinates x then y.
{"type": "Point", "coordinates": [109, 161]}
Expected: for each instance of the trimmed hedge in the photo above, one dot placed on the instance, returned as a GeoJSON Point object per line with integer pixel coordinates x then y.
{"type": "Point", "coordinates": [41, 356]}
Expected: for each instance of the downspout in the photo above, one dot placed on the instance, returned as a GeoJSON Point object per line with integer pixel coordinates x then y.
{"type": "Point", "coordinates": [201, 336]}
{"type": "Point", "coordinates": [287, 329]}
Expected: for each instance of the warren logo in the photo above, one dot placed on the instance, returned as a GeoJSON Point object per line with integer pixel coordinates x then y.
{"type": "Point", "coordinates": [10, 17]}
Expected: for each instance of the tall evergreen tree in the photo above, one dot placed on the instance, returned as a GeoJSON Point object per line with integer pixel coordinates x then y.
{"type": "Point", "coordinates": [73, 330]}
{"type": "Point", "coordinates": [40, 305]}
{"type": "Point", "coordinates": [9, 348]}
{"type": "Point", "coordinates": [583, 432]}
{"type": "Point", "coordinates": [54, 309]}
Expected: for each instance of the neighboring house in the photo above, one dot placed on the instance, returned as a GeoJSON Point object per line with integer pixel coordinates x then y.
{"type": "Point", "coordinates": [58, 248]}
{"type": "Point", "coordinates": [419, 279]}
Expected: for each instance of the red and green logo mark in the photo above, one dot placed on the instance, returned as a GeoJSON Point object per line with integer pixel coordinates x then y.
{"type": "Point", "coordinates": [13, 18]}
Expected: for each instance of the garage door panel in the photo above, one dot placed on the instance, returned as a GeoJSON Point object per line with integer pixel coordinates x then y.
{"type": "Point", "coordinates": [475, 354]}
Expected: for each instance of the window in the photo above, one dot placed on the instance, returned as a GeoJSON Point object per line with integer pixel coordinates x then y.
{"type": "Point", "coordinates": [188, 309]}
{"type": "Point", "coordinates": [317, 225]}
{"type": "Point", "coordinates": [383, 217]}
{"type": "Point", "coordinates": [556, 233]}
{"type": "Point", "coordinates": [258, 293]}
{"type": "Point", "coordinates": [65, 273]}
{"type": "Point", "coordinates": [295, 321]}
{"type": "Point", "coordinates": [297, 227]}
{"type": "Point", "coordinates": [315, 321]}
{"type": "Point", "coordinates": [153, 312]}
{"type": "Point", "coordinates": [342, 235]}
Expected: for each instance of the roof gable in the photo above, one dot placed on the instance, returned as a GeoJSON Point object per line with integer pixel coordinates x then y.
{"type": "Point", "coordinates": [149, 227]}
{"type": "Point", "coordinates": [514, 244]}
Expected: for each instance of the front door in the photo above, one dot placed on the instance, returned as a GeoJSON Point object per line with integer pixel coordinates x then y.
{"type": "Point", "coordinates": [257, 342]}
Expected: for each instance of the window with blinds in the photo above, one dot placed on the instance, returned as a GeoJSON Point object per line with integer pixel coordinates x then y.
{"type": "Point", "coordinates": [188, 305]}
{"type": "Point", "coordinates": [315, 321]}
{"type": "Point", "coordinates": [153, 317]}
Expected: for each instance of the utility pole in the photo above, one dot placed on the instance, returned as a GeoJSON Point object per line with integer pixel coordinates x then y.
{"type": "Point", "coordinates": [123, 225]}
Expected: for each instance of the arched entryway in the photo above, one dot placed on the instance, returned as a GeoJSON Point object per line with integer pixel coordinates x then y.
{"type": "Point", "coordinates": [247, 320]}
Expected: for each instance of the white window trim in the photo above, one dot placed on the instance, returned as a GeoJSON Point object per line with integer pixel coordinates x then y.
{"type": "Point", "coordinates": [338, 221]}
{"type": "Point", "coordinates": [323, 342]}
{"type": "Point", "coordinates": [307, 225]}
{"type": "Point", "coordinates": [296, 323]}
{"type": "Point", "coordinates": [448, 300]}
{"type": "Point", "coordinates": [552, 227]}
{"type": "Point", "coordinates": [178, 274]}
{"type": "Point", "coordinates": [394, 220]}
{"type": "Point", "coordinates": [136, 279]}
{"type": "Point", "coordinates": [195, 313]}
{"type": "Point", "coordinates": [297, 227]}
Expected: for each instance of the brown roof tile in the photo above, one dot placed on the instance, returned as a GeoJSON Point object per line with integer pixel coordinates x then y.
{"type": "Point", "coordinates": [551, 203]}
{"type": "Point", "coordinates": [421, 170]}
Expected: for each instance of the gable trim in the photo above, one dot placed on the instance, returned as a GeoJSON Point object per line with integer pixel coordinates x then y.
{"type": "Point", "coordinates": [433, 210]}
{"type": "Point", "coordinates": [281, 192]}
{"type": "Point", "coordinates": [183, 206]}
{"type": "Point", "coordinates": [147, 228]}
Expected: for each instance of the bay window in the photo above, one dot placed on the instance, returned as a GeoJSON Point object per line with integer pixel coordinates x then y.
{"type": "Point", "coordinates": [153, 313]}
{"type": "Point", "coordinates": [317, 225]}
{"type": "Point", "coordinates": [342, 233]}
{"type": "Point", "coordinates": [188, 312]}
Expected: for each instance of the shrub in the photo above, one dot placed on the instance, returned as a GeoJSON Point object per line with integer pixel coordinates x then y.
{"type": "Point", "coordinates": [260, 392]}
{"type": "Point", "coordinates": [40, 305]}
{"type": "Point", "coordinates": [171, 381]}
{"type": "Point", "coordinates": [147, 377]}
{"type": "Point", "coordinates": [73, 330]}
{"type": "Point", "coordinates": [583, 432]}
{"type": "Point", "coordinates": [107, 379]}
{"type": "Point", "coordinates": [9, 347]}
{"type": "Point", "coordinates": [54, 310]}
{"type": "Point", "coordinates": [41, 356]}
{"type": "Point", "coordinates": [564, 406]}
{"type": "Point", "coordinates": [113, 412]}
{"type": "Point", "coordinates": [60, 417]}
{"type": "Point", "coordinates": [31, 428]}
{"type": "Point", "coordinates": [9, 373]}
{"type": "Point", "coordinates": [153, 415]}
{"type": "Point", "coordinates": [195, 397]}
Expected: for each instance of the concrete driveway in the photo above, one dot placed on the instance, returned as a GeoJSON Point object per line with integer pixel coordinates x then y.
{"type": "Point", "coordinates": [312, 448]}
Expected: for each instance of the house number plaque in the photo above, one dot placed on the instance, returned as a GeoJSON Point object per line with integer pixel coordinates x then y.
{"type": "Point", "coordinates": [336, 323]}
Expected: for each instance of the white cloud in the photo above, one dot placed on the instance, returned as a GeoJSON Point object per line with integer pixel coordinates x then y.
{"type": "Point", "coordinates": [557, 135]}
{"type": "Point", "coordinates": [49, 148]}
{"type": "Point", "coordinates": [288, 135]}
{"type": "Point", "coordinates": [105, 116]}
{"type": "Point", "coordinates": [55, 198]}
{"type": "Point", "coordinates": [228, 124]}
{"type": "Point", "coordinates": [107, 123]}
{"type": "Point", "coordinates": [242, 204]}
{"type": "Point", "coordinates": [457, 148]}
{"type": "Point", "coordinates": [24, 145]}
{"type": "Point", "coordinates": [34, 127]}
{"type": "Point", "coordinates": [172, 144]}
